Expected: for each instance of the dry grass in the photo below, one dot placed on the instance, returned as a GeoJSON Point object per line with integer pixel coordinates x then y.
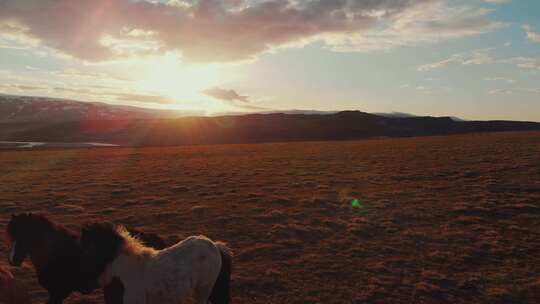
{"type": "Point", "coordinates": [445, 219]}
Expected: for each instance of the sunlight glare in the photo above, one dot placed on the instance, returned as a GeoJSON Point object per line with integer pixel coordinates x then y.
{"type": "Point", "coordinates": [166, 75]}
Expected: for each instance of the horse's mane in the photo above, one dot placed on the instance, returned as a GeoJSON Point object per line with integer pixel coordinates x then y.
{"type": "Point", "coordinates": [38, 222]}
{"type": "Point", "coordinates": [45, 222]}
{"type": "Point", "coordinates": [133, 244]}
{"type": "Point", "coordinates": [39, 219]}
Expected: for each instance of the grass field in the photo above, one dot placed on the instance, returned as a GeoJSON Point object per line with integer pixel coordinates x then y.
{"type": "Point", "coordinates": [438, 219]}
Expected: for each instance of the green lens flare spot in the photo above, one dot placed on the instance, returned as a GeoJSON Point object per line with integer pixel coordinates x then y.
{"type": "Point", "coordinates": [356, 203]}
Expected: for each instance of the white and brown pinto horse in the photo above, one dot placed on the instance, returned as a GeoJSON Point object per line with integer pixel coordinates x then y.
{"type": "Point", "coordinates": [56, 254]}
{"type": "Point", "coordinates": [195, 267]}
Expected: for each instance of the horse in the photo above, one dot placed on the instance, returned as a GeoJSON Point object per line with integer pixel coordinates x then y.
{"type": "Point", "coordinates": [114, 292]}
{"type": "Point", "coordinates": [196, 266]}
{"type": "Point", "coordinates": [55, 253]}
{"type": "Point", "coordinates": [12, 291]}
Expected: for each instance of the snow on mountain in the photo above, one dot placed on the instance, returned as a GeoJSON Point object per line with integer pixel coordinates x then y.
{"type": "Point", "coordinates": [32, 109]}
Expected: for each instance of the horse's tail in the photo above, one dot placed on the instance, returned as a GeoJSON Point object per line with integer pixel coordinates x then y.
{"type": "Point", "coordinates": [221, 290]}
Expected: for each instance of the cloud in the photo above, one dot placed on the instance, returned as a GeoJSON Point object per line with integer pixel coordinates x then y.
{"type": "Point", "coordinates": [532, 35]}
{"type": "Point", "coordinates": [500, 92]}
{"type": "Point", "coordinates": [74, 73]}
{"type": "Point", "coordinates": [508, 80]}
{"type": "Point", "coordinates": [119, 96]}
{"type": "Point", "coordinates": [531, 90]}
{"type": "Point", "coordinates": [498, 1]}
{"type": "Point", "coordinates": [21, 87]}
{"type": "Point", "coordinates": [14, 32]}
{"type": "Point", "coordinates": [231, 97]}
{"type": "Point", "coordinates": [475, 57]}
{"type": "Point", "coordinates": [12, 47]}
{"type": "Point", "coordinates": [428, 88]}
{"type": "Point", "coordinates": [231, 30]}
{"type": "Point", "coordinates": [227, 95]}
{"type": "Point", "coordinates": [514, 90]}
{"type": "Point", "coordinates": [428, 22]}
{"type": "Point", "coordinates": [525, 62]}
{"type": "Point", "coordinates": [143, 98]}
{"type": "Point", "coordinates": [74, 91]}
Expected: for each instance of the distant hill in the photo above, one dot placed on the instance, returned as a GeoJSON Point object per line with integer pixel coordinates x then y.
{"type": "Point", "coordinates": [68, 121]}
{"type": "Point", "coordinates": [307, 112]}
{"type": "Point", "coordinates": [15, 109]}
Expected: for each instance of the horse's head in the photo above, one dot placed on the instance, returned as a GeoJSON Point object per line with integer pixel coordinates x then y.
{"type": "Point", "coordinates": [24, 232]}
{"type": "Point", "coordinates": [100, 244]}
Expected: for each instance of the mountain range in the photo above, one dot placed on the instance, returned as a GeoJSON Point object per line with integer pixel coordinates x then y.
{"type": "Point", "coordinates": [59, 120]}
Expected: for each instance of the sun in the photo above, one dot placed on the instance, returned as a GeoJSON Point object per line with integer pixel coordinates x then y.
{"type": "Point", "coordinates": [167, 76]}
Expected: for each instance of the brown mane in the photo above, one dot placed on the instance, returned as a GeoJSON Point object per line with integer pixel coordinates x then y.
{"type": "Point", "coordinates": [33, 223]}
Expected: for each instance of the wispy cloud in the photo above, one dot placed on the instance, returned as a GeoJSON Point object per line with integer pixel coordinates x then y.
{"type": "Point", "coordinates": [228, 95]}
{"type": "Point", "coordinates": [223, 30]}
{"type": "Point", "coordinates": [531, 90]}
{"type": "Point", "coordinates": [531, 35]}
{"type": "Point", "coordinates": [430, 22]}
{"type": "Point", "coordinates": [525, 62]}
{"type": "Point", "coordinates": [13, 47]}
{"type": "Point", "coordinates": [143, 98]}
{"type": "Point", "coordinates": [514, 91]}
{"type": "Point", "coordinates": [428, 89]}
{"type": "Point", "coordinates": [498, 1]}
{"type": "Point", "coordinates": [75, 73]}
{"type": "Point", "coordinates": [475, 57]}
{"type": "Point", "coordinates": [119, 96]}
{"type": "Point", "coordinates": [502, 79]}
{"type": "Point", "coordinates": [231, 97]}
{"type": "Point", "coordinates": [21, 87]}
{"type": "Point", "coordinates": [500, 92]}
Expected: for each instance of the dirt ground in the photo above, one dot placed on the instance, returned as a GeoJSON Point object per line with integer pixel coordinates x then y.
{"type": "Point", "coordinates": [437, 219]}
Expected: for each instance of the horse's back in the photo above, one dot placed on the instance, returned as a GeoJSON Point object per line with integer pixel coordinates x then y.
{"type": "Point", "coordinates": [194, 251]}
{"type": "Point", "coordinates": [193, 263]}
{"type": "Point", "coordinates": [194, 243]}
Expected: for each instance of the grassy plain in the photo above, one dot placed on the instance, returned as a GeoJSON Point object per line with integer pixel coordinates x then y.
{"type": "Point", "coordinates": [438, 219]}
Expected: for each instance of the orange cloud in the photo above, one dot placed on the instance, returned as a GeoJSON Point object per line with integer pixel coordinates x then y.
{"type": "Point", "coordinates": [230, 30]}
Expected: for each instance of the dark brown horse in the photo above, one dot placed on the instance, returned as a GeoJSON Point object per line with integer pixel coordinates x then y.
{"type": "Point", "coordinates": [55, 252]}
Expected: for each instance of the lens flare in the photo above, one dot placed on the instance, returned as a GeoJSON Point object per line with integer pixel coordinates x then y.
{"type": "Point", "coordinates": [356, 203]}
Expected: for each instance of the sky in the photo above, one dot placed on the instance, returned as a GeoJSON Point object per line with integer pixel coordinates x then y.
{"type": "Point", "coordinates": [474, 59]}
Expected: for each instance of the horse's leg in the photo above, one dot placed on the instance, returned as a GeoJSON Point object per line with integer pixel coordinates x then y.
{"type": "Point", "coordinates": [114, 292]}
{"type": "Point", "coordinates": [57, 297]}
{"type": "Point", "coordinates": [202, 294]}
{"type": "Point", "coordinates": [134, 295]}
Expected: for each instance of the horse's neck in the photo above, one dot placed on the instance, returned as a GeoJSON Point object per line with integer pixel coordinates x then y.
{"type": "Point", "coordinates": [129, 266]}
{"type": "Point", "coordinates": [39, 262]}
{"type": "Point", "coordinates": [39, 255]}
{"type": "Point", "coordinates": [47, 249]}
{"type": "Point", "coordinates": [131, 262]}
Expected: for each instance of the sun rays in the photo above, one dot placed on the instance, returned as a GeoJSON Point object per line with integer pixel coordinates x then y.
{"type": "Point", "coordinates": [167, 75]}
